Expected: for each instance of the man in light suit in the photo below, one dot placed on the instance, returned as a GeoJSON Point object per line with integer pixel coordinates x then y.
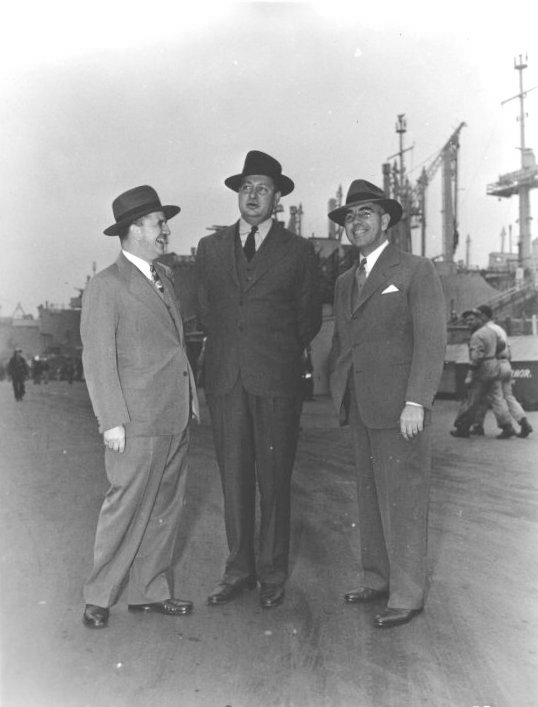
{"type": "Point", "coordinates": [143, 395]}
{"type": "Point", "coordinates": [259, 307]}
{"type": "Point", "coordinates": [385, 366]}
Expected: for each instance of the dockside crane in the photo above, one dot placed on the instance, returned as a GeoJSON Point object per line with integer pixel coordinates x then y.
{"type": "Point", "coordinates": [448, 158]}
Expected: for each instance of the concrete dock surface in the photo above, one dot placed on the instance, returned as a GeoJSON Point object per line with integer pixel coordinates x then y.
{"type": "Point", "coordinates": [476, 643]}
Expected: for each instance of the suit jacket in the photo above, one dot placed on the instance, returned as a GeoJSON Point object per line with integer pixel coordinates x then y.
{"type": "Point", "coordinates": [135, 364]}
{"type": "Point", "coordinates": [394, 342]}
{"type": "Point", "coordinates": [259, 325]}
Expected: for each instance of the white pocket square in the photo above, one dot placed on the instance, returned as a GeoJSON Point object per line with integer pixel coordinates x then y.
{"type": "Point", "coordinates": [390, 288]}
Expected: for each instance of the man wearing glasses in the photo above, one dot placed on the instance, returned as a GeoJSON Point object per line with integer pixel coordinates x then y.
{"type": "Point", "coordinates": [385, 366]}
{"type": "Point", "coordinates": [259, 308]}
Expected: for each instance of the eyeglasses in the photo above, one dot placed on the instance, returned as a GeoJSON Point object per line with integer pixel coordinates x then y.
{"type": "Point", "coordinates": [258, 189]}
{"type": "Point", "coordinates": [362, 214]}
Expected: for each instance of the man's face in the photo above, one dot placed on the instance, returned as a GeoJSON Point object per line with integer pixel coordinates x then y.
{"type": "Point", "coordinates": [257, 198]}
{"type": "Point", "coordinates": [366, 226]}
{"type": "Point", "coordinates": [151, 236]}
{"type": "Point", "coordinates": [473, 322]}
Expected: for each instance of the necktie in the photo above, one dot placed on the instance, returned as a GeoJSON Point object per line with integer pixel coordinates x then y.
{"type": "Point", "coordinates": [250, 244]}
{"type": "Point", "coordinates": [156, 279]}
{"type": "Point", "coordinates": [360, 279]}
{"type": "Point", "coordinates": [360, 274]}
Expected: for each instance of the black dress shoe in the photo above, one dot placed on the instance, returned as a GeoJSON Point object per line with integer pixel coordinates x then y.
{"type": "Point", "coordinates": [224, 592]}
{"type": "Point", "coordinates": [395, 617]}
{"type": "Point", "coordinates": [95, 616]}
{"type": "Point", "coordinates": [271, 595]}
{"type": "Point", "coordinates": [477, 430]}
{"type": "Point", "coordinates": [169, 607]}
{"type": "Point", "coordinates": [362, 595]}
{"type": "Point", "coordinates": [459, 433]}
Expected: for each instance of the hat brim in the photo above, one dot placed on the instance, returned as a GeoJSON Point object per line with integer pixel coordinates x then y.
{"type": "Point", "coordinates": [474, 312]}
{"type": "Point", "coordinates": [168, 210]}
{"type": "Point", "coordinates": [284, 184]}
{"type": "Point", "coordinates": [390, 206]}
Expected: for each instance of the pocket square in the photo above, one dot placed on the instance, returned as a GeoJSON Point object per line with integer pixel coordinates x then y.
{"type": "Point", "coordinates": [390, 288]}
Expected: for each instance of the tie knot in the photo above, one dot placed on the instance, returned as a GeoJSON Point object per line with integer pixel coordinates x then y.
{"type": "Point", "coordinates": [362, 264]}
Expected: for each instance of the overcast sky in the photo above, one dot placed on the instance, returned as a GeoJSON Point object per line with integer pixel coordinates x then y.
{"type": "Point", "coordinates": [98, 100]}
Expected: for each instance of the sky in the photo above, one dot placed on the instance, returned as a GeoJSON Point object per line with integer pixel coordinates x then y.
{"type": "Point", "coordinates": [100, 98]}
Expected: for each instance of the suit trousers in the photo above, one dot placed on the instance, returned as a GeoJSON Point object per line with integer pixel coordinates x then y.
{"type": "Point", "coordinates": [393, 483]}
{"type": "Point", "coordinates": [138, 523]}
{"type": "Point", "coordinates": [255, 440]}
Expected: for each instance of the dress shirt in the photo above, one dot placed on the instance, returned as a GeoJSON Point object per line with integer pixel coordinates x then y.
{"type": "Point", "coordinates": [263, 229]}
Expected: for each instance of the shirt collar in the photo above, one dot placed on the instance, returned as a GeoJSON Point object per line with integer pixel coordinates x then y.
{"type": "Point", "coordinates": [142, 265]}
{"type": "Point", "coordinates": [263, 228]}
{"type": "Point", "coordinates": [372, 259]}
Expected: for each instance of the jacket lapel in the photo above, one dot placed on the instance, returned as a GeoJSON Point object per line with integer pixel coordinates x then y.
{"type": "Point", "coordinates": [142, 289]}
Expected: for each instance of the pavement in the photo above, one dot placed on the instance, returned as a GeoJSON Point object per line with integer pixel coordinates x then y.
{"type": "Point", "coordinates": [475, 644]}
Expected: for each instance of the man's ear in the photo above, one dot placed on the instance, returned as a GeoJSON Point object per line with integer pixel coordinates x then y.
{"type": "Point", "coordinates": [385, 220]}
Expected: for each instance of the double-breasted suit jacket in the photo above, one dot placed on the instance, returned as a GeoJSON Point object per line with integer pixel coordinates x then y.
{"type": "Point", "coordinates": [388, 349]}
{"type": "Point", "coordinates": [138, 375]}
{"type": "Point", "coordinates": [258, 317]}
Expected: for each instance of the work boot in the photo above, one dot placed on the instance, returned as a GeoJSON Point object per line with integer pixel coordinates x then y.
{"type": "Point", "coordinates": [477, 430]}
{"type": "Point", "coordinates": [526, 429]}
{"type": "Point", "coordinates": [507, 432]}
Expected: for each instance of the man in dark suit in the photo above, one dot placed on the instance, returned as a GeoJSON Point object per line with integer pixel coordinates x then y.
{"type": "Point", "coordinates": [143, 395]}
{"type": "Point", "coordinates": [385, 365]}
{"type": "Point", "coordinates": [259, 307]}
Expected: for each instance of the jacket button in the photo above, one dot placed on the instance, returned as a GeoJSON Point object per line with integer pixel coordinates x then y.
{"type": "Point", "coordinates": [185, 373]}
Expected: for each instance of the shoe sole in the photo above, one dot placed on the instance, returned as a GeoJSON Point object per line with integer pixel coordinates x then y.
{"type": "Point", "coordinates": [377, 597]}
{"type": "Point", "coordinates": [235, 595]}
{"type": "Point", "coordinates": [152, 610]}
{"type": "Point", "coordinates": [393, 624]}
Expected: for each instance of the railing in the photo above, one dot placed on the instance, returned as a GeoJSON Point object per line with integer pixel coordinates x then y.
{"type": "Point", "coordinates": [514, 294]}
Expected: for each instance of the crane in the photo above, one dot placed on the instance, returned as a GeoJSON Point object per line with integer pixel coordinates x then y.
{"type": "Point", "coordinates": [448, 157]}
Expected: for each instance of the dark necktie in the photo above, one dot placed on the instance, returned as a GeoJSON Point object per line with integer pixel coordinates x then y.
{"type": "Point", "coordinates": [156, 279]}
{"type": "Point", "coordinates": [250, 244]}
{"type": "Point", "coordinates": [360, 279]}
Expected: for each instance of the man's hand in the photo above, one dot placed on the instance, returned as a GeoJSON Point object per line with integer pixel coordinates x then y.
{"type": "Point", "coordinates": [468, 379]}
{"type": "Point", "coordinates": [411, 421]}
{"type": "Point", "coordinates": [114, 438]}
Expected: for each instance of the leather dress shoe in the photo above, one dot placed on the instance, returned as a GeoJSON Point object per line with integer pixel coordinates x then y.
{"type": "Point", "coordinates": [169, 607]}
{"type": "Point", "coordinates": [459, 433]}
{"type": "Point", "coordinates": [95, 616]}
{"type": "Point", "coordinates": [362, 595]}
{"type": "Point", "coordinates": [271, 595]}
{"type": "Point", "coordinates": [225, 592]}
{"type": "Point", "coordinates": [395, 617]}
{"type": "Point", "coordinates": [477, 430]}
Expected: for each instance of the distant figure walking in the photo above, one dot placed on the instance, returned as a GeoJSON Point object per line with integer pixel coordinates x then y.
{"type": "Point", "coordinates": [504, 356]}
{"type": "Point", "coordinates": [18, 370]}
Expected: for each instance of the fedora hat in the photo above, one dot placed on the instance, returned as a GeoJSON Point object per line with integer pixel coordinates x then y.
{"type": "Point", "coordinates": [257, 162]}
{"type": "Point", "coordinates": [361, 191]}
{"type": "Point", "coordinates": [135, 203]}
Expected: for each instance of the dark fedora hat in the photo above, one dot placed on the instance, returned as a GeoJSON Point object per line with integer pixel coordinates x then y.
{"type": "Point", "coordinates": [361, 191]}
{"type": "Point", "coordinates": [135, 203]}
{"type": "Point", "coordinates": [257, 162]}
